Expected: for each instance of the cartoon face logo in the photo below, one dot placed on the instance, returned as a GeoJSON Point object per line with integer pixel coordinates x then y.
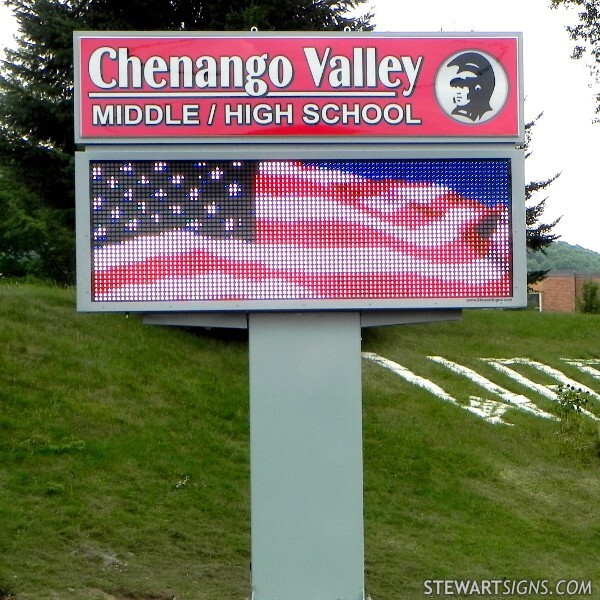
{"type": "Point", "coordinates": [471, 87]}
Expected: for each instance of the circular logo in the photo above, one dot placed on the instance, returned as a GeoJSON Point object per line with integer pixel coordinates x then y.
{"type": "Point", "coordinates": [471, 87]}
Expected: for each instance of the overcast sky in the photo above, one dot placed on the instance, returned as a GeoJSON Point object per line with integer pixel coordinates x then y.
{"type": "Point", "coordinates": [564, 140]}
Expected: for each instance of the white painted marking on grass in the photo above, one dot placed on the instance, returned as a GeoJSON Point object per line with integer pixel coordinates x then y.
{"type": "Point", "coordinates": [489, 410]}
{"type": "Point", "coordinates": [585, 366]}
{"type": "Point", "coordinates": [517, 400]}
{"type": "Point", "coordinates": [502, 365]}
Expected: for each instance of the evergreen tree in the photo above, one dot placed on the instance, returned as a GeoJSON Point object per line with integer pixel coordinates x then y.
{"type": "Point", "coordinates": [538, 234]}
{"type": "Point", "coordinates": [36, 96]}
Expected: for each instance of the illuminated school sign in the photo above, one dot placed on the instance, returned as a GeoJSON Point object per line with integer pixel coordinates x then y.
{"type": "Point", "coordinates": [302, 186]}
{"type": "Point", "coordinates": [167, 87]}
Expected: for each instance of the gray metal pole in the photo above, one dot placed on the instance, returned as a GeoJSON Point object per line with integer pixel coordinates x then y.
{"type": "Point", "coordinates": [306, 456]}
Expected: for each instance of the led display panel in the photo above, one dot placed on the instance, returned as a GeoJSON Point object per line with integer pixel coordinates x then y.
{"type": "Point", "coordinates": [228, 234]}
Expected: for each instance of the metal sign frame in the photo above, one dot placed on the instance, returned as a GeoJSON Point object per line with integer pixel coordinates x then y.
{"type": "Point", "coordinates": [300, 151]}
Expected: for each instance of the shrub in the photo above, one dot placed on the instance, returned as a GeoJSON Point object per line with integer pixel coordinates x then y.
{"type": "Point", "coordinates": [589, 302]}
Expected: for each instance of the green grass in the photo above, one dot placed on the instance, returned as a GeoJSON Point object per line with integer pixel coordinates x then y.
{"type": "Point", "coordinates": [124, 458]}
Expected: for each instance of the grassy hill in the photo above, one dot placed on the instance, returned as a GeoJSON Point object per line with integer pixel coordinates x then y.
{"type": "Point", "coordinates": [124, 457]}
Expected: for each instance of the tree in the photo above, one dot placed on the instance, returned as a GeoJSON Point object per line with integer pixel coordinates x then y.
{"type": "Point", "coordinates": [538, 234]}
{"type": "Point", "coordinates": [36, 92]}
{"type": "Point", "coordinates": [589, 302]}
{"type": "Point", "coordinates": [33, 241]}
{"type": "Point", "coordinates": [586, 34]}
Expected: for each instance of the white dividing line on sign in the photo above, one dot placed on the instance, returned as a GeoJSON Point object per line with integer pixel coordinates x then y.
{"type": "Point", "coordinates": [517, 400]}
{"type": "Point", "coordinates": [228, 94]}
{"type": "Point", "coordinates": [489, 410]}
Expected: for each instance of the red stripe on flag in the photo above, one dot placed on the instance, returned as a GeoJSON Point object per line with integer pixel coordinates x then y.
{"type": "Point", "coordinates": [333, 285]}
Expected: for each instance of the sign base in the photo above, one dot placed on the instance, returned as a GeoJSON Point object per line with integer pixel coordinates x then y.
{"type": "Point", "coordinates": [306, 456]}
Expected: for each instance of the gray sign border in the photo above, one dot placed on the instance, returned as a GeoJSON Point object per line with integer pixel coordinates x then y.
{"type": "Point", "coordinates": [308, 152]}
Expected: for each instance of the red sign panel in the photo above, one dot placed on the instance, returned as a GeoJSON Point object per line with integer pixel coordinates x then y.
{"type": "Point", "coordinates": [166, 87]}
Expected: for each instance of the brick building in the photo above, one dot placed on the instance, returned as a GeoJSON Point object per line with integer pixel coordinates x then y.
{"type": "Point", "coordinates": [560, 290]}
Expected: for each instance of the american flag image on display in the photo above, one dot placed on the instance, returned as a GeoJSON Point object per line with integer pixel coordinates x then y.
{"type": "Point", "coordinates": [293, 230]}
